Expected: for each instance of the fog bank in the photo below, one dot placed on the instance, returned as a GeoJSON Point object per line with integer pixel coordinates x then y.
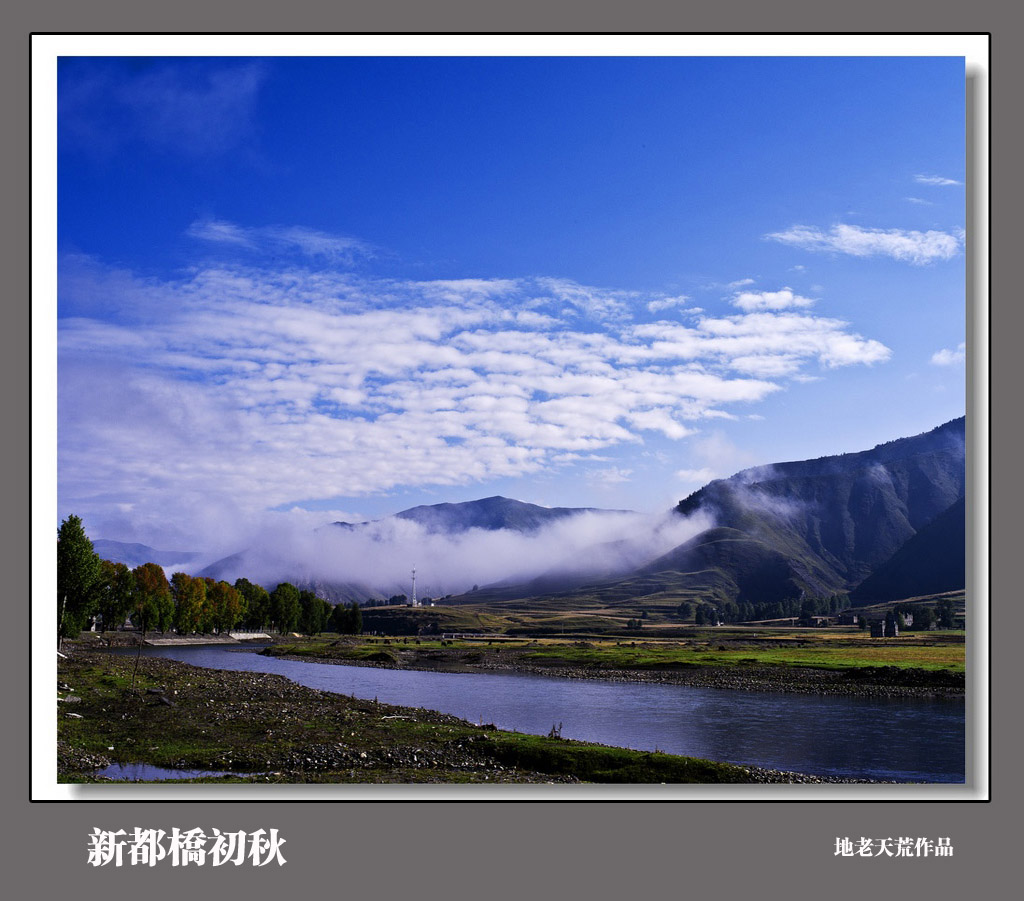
{"type": "Point", "coordinates": [376, 559]}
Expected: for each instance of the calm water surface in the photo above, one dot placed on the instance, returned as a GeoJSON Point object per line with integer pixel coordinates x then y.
{"type": "Point", "coordinates": [913, 740]}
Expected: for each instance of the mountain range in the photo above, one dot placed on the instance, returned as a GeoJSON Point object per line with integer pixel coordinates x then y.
{"type": "Point", "coordinates": [827, 525]}
{"type": "Point", "coordinates": [881, 524]}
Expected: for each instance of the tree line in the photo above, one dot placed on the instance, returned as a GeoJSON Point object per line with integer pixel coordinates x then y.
{"type": "Point", "coordinates": [90, 588]}
{"type": "Point", "coordinates": [916, 616]}
{"type": "Point", "coordinates": [805, 609]}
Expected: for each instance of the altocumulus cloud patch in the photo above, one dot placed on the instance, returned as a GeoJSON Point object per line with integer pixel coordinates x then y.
{"type": "Point", "coordinates": [245, 386]}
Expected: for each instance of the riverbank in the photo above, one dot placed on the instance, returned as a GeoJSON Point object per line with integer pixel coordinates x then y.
{"type": "Point", "coordinates": [591, 662]}
{"type": "Point", "coordinates": [266, 729]}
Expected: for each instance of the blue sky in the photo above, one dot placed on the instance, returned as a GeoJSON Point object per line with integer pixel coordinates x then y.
{"type": "Point", "coordinates": [324, 288]}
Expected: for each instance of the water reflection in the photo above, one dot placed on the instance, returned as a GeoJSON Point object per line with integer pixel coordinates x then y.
{"type": "Point", "coordinates": [144, 772]}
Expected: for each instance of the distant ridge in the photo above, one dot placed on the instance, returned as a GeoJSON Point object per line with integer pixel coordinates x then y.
{"type": "Point", "coordinates": [491, 513]}
{"type": "Point", "coordinates": [133, 554]}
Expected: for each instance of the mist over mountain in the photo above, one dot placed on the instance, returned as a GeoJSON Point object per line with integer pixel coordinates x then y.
{"type": "Point", "coordinates": [833, 520]}
{"type": "Point", "coordinates": [494, 540]}
{"type": "Point", "coordinates": [814, 527]}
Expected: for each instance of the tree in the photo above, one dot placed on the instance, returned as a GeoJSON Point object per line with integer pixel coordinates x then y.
{"type": "Point", "coordinates": [347, 620]}
{"type": "Point", "coordinates": [153, 607]}
{"type": "Point", "coordinates": [228, 606]}
{"type": "Point", "coordinates": [189, 598]}
{"type": "Point", "coordinates": [78, 574]}
{"type": "Point", "coordinates": [256, 604]}
{"type": "Point", "coordinates": [924, 616]}
{"type": "Point", "coordinates": [808, 609]}
{"type": "Point", "coordinates": [312, 618]}
{"type": "Point", "coordinates": [285, 607]}
{"type": "Point", "coordinates": [340, 620]}
{"type": "Point", "coordinates": [945, 610]}
{"type": "Point", "coordinates": [115, 593]}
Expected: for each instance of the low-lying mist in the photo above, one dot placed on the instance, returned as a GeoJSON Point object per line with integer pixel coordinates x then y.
{"type": "Point", "coordinates": [377, 558]}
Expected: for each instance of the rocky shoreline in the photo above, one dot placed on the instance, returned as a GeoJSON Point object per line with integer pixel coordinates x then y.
{"type": "Point", "coordinates": [265, 728]}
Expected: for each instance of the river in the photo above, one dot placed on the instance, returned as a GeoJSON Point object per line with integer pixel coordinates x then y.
{"type": "Point", "coordinates": [915, 740]}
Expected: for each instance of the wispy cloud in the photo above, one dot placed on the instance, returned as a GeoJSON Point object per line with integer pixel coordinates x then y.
{"type": "Point", "coordinates": [906, 246]}
{"type": "Point", "coordinates": [936, 180]}
{"type": "Point", "coordinates": [719, 457]}
{"type": "Point", "coordinates": [305, 241]}
{"type": "Point", "coordinates": [611, 476]}
{"type": "Point", "coordinates": [946, 357]}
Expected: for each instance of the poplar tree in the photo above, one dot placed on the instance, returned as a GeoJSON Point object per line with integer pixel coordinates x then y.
{"type": "Point", "coordinates": [284, 607]}
{"type": "Point", "coordinates": [116, 591]}
{"type": "Point", "coordinates": [78, 574]}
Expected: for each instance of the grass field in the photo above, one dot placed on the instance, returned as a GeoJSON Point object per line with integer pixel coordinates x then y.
{"type": "Point", "coordinates": [834, 648]}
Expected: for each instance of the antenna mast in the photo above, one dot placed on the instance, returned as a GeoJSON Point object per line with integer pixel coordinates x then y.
{"type": "Point", "coordinates": [414, 602]}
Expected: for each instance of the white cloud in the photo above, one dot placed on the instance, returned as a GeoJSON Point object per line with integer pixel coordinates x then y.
{"type": "Point", "coordinates": [597, 303]}
{"type": "Point", "coordinates": [906, 246]}
{"type": "Point", "coordinates": [935, 180]}
{"type": "Point", "coordinates": [247, 389]}
{"type": "Point", "coordinates": [919, 201]}
{"type": "Point", "coordinates": [667, 303]}
{"type": "Point", "coordinates": [946, 357]}
{"type": "Point", "coordinates": [770, 300]}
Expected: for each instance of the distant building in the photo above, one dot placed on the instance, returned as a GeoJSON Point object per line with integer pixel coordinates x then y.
{"type": "Point", "coordinates": [846, 618]}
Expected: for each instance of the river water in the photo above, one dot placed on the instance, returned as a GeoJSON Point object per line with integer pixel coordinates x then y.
{"type": "Point", "coordinates": [913, 740]}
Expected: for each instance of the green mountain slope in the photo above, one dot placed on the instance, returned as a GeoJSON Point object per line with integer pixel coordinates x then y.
{"type": "Point", "coordinates": [811, 527]}
{"type": "Point", "coordinates": [931, 562]}
{"type": "Point", "coordinates": [837, 519]}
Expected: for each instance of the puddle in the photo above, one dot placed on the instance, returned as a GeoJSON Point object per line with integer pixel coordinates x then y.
{"type": "Point", "coordinates": [144, 772]}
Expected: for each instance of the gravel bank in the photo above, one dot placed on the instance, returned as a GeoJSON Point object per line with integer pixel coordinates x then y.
{"type": "Point", "coordinates": [185, 717]}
